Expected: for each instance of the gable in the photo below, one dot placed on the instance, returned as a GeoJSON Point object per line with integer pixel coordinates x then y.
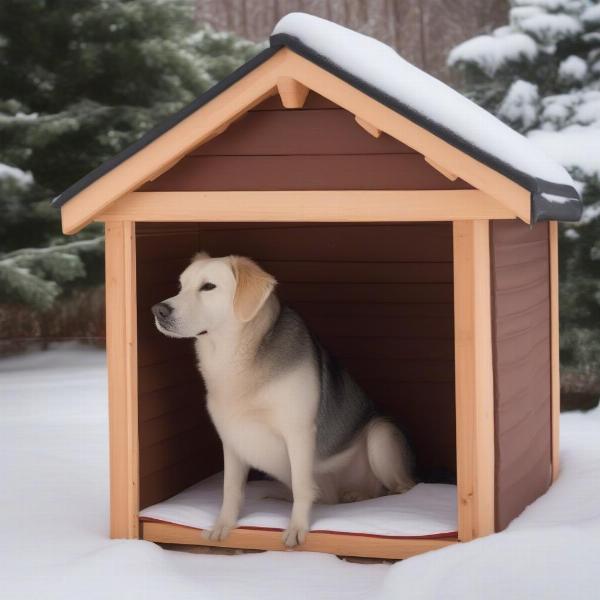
{"type": "Point", "coordinates": [317, 147]}
{"type": "Point", "coordinates": [169, 149]}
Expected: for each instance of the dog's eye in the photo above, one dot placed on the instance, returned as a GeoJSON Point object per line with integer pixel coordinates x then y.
{"type": "Point", "coordinates": [207, 287]}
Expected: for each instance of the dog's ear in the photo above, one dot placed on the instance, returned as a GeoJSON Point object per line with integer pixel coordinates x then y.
{"type": "Point", "coordinates": [253, 287]}
{"type": "Point", "coordinates": [200, 256]}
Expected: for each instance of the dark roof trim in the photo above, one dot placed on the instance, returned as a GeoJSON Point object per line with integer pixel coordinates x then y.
{"type": "Point", "coordinates": [164, 126]}
{"type": "Point", "coordinates": [567, 211]}
{"type": "Point", "coordinates": [542, 209]}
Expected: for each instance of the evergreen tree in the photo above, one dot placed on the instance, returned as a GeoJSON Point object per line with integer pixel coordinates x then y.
{"type": "Point", "coordinates": [81, 80]}
{"type": "Point", "coordinates": [541, 74]}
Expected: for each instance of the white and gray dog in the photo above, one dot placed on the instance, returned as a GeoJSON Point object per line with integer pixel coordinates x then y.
{"type": "Point", "coordinates": [279, 401]}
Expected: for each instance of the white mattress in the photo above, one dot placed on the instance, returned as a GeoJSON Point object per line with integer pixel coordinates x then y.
{"type": "Point", "coordinates": [427, 509]}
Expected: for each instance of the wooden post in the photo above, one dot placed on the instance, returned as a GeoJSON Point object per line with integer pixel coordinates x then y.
{"type": "Point", "coordinates": [121, 350]}
{"type": "Point", "coordinates": [292, 93]}
{"type": "Point", "coordinates": [370, 129]}
{"type": "Point", "coordinates": [554, 346]}
{"type": "Point", "coordinates": [474, 379]}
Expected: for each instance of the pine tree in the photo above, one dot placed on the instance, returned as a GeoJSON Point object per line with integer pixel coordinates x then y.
{"type": "Point", "coordinates": [81, 80]}
{"type": "Point", "coordinates": [541, 75]}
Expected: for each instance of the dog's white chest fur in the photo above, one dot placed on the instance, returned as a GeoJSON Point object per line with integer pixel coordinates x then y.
{"type": "Point", "coordinates": [255, 420]}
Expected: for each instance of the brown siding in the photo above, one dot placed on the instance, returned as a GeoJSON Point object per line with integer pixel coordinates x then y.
{"type": "Point", "coordinates": [178, 445]}
{"type": "Point", "coordinates": [521, 330]}
{"type": "Point", "coordinates": [379, 296]}
{"type": "Point", "coordinates": [317, 147]}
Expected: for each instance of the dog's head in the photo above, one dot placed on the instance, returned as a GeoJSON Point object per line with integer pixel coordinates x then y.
{"type": "Point", "coordinates": [214, 291]}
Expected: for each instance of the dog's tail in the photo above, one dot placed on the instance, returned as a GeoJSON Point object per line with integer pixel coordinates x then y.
{"type": "Point", "coordinates": [390, 456]}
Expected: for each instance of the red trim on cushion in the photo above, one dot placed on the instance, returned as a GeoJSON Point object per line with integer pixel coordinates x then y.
{"type": "Point", "coordinates": [431, 536]}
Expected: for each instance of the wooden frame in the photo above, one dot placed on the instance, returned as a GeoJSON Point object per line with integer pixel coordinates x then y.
{"type": "Point", "coordinates": [112, 199]}
{"type": "Point", "coordinates": [150, 161]}
{"type": "Point", "coordinates": [265, 80]}
{"type": "Point", "coordinates": [332, 205]}
{"type": "Point", "coordinates": [439, 169]}
{"type": "Point", "coordinates": [121, 351]}
{"type": "Point", "coordinates": [554, 346]}
{"type": "Point", "coordinates": [474, 379]}
{"type": "Point", "coordinates": [368, 127]}
{"type": "Point", "coordinates": [292, 93]}
{"type": "Point", "coordinates": [333, 543]}
{"type": "Point", "coordinates": [514, 197]}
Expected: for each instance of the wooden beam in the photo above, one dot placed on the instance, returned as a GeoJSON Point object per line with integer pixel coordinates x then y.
{"type": "Point", "coordinates": [368, 127]}
{"type": "Point", "coordinates": [326, 205]}
{"type": "Point", "coordinates": [333, 543]}
{"type": "Point", "coordinates": [121, 353]}
{"type": "Point", "coordinates": [474, 380]}
{"type": "Point", "coordinates": [447, 174]}
{"type": "Point", "coordinates": [293, 76]}
{"type": "Point", "coordinates": [292, 93]}
{"type": "Point", "coordinates": [554, 346]}
{"type": "Point", "coordinates": [514, 197]}
{"type": "Point", "coordinates": [177, 141]}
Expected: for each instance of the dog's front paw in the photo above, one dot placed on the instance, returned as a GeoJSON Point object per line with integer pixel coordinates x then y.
{"type": "Point", "coordinates": [295, 534]}
{"type": "Point", "coordinates": [220, 530]}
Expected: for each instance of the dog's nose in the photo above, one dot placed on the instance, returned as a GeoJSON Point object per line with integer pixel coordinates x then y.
{"type": "Point", "coordinates": [161, 310]}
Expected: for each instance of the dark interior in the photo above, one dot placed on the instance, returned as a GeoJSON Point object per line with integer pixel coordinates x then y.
{"type": "Point", "coordinates": [379, 296]}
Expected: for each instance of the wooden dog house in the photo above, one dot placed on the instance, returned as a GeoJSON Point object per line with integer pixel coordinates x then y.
{"type": "Point", "coordinates": [425, 261]}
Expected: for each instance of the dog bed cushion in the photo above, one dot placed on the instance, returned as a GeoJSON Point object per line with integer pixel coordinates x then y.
{"type": "Point", "coordinates": [425, 510]}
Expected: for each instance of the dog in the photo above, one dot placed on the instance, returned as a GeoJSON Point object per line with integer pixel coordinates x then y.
{"type": "Point", "coordinates": [281, 403]}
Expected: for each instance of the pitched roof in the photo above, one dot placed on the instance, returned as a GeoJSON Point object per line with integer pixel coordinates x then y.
{"type": "Point", "coordinates": [379, 72]}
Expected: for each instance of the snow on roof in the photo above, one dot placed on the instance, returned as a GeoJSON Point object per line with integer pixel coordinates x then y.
{"type": "Point", "coordinates": [426, 100]}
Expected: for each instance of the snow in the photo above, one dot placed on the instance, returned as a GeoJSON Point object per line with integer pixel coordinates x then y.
{"type": "Point", "coordinates": [518, 13]}
{"type": "Point", "coordinates": [572, 68]}
{"type": "Point", "coordinates": [574, 147]}
{"type": "Point", "coordinates": [578, 107]}
{"type": "Point", "coordinates": [426, 509]}
{"type": "Point", "coordinates": [380, 66]}
{"type": "Point", "coordinates": [551, 5]}
{"type": "Point", "coordinates": [590, 213]}
{"type": "Point", "coordinates": [520, 104]}
{"type": "Point", "coordinates": [572, 234]}
{"type": "Point", "coordinates": [54, 515]}
{"type": "Point", "coordinates": [492, 52]}
{"type": "Point", "coordinates": [591, 16]}
{"type": "Point", "coordinates": [22, 178]}
{"type": "Point", "coordinates": [588, 112]}
{"type": "Point", "coordinates": [549, 29]}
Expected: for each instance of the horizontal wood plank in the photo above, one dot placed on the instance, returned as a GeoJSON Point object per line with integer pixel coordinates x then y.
{"type": "Point", "coordinates": [168, 270]}
{"type": "Point", "coordinates": [338, 243]}
{"type": "Point", "coordinates": [167, 482]}
{"type": "Point", "coordinates": [303, 172]}
{"type": "Point", "coordinates": [191, 444]}
{"type": "Point", "coordinates": [158, 403]}
{"type": "Point", "coordinates": [306, 206]}
{"type": "Point", "coordinates": [334, 543]}
{"type": "Point", "coordinates": [298, 132]}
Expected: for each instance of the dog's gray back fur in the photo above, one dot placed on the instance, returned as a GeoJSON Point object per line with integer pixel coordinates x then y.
{"type": "Point", "coordinates": [343, 406]}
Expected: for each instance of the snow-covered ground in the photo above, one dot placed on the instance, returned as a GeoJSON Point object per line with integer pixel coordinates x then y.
{"type": "Point", "coordinates": [54, 515]}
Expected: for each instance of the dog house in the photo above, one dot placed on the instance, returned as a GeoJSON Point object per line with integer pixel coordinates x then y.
{"type": "Point", "coordinates": [414, 232]}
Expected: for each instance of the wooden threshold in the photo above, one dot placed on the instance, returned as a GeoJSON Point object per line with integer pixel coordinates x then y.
{"type": "Point", "coordinates": [343, 544]}
{"type": "Point", "coordinates": [308, 206]}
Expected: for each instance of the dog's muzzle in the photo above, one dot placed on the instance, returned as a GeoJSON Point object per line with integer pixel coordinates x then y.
{"type": "Point", "coordinates": [162, 312]}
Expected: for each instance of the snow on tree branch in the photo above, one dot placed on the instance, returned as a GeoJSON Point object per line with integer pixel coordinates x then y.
{"type": "Point", "coordinates": [35, 276]}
